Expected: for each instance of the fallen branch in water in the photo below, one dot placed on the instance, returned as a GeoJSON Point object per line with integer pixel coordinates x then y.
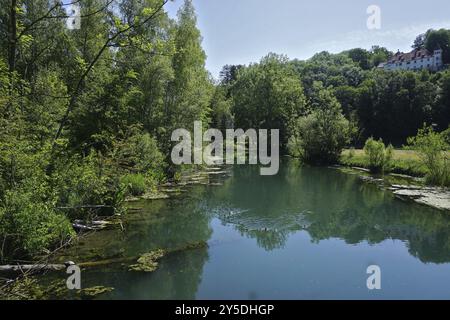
{"type": "Point", "coordinates": [94, 225]}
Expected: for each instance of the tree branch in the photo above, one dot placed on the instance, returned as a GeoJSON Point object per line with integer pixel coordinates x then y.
{"type": "Point", "coordinates": [91, 65]}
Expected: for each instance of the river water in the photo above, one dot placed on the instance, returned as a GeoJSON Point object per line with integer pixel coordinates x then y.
{"type": "Point", "coordinates": [306, 233]}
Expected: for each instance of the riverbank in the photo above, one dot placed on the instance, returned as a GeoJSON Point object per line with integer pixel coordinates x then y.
{"type": "Point", "coordinates": [104, 249]}
{"type": "Point", "coordinates": [405, 187]}
{"type": "Point", "coordinates": [304, 213]}
{"type": "Point", "coordinates": [207, 176]}
{"type": "Point", "coordinates": [403, 161]}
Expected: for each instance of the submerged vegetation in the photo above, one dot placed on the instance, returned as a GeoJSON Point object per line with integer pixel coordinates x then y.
{"type": "Point", "coordinates": [148, 262]}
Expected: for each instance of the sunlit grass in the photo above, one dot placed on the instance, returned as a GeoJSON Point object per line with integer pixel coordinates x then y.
{"type": "Point", "coordinates": [403, 161]}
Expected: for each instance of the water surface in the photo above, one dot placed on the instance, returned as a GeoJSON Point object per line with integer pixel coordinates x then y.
{"type": "Point", "coordinates": [307, 233]}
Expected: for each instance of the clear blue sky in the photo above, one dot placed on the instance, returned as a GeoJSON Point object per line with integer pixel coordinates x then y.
{"type": "Point", "coordinates": [243, 31]}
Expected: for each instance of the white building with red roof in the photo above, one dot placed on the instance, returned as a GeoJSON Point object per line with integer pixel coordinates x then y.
{"type": "Point", "coordinates": [417, 59]}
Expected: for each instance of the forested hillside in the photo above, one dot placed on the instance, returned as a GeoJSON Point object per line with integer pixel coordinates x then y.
{"type": "Point", "coordinates": [85, 114]}
{"type": "Point", "coordinates": [388, 105]}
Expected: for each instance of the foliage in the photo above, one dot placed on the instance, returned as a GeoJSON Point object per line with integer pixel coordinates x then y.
{"type": "Point", "coordinates": [80, 181]}
{"type": "Point", "coordinates": [85, 114]}
{"type": "Point", "coordinates": [446, 135]}
{"type": "Point", "coordinates": [433, 150]}
{"type": "Point", "coordinates": [405, 162]}
{"type": "Point", "coordinates": [391, 105]}
{"type": "Point", "coordinates": [439, 39]}
{"type": "Point", "coordinates": [139, 153]}
{"type": "Point", "coordinates": [28, 225]}
{"type": "Point", "coordinates": [268, 95]}
{"type": "Point", "coordinates": [379, 156]}
{"type": "Point", "coordinates": [135, 183]}
{"type": "Point", "coordinates": [321, 136]}
{"type": "Point", "coordinates": [223, 117]}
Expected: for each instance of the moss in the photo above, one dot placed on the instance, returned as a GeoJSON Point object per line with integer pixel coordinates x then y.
{"type": "Point", "coordinates": [155, 196]}
{"type": "Point", "coordinates": [30, 288]}
{"type": "Point", "coordinates": [148, 262]}
{"type": "Point", "coordinates": [26, 288]}
{"type": "Point", "coordinates": [94, 291]}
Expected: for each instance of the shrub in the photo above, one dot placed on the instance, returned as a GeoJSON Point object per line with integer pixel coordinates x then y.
{"type": "Point", "coordinates": [30, 226]}
{"type": "Point", "coordinates": [87, 181]}
{"type": "Point", "coordinates": [136, 184]}
{"type": "Point", "coordinates": [379, 157]}
{"type": "Point", "coordinates": [140, 153]}
{"type": "Point", "coordinates": [80, 181]}
{"type": "Point", "coordinates": [446, 135]}
{"type": "Point", "coordinates": [351, 153]}
{"type": "Point", "coordinates": [320, 137]}
{"type": "Point", "coordinates": [433, 148]}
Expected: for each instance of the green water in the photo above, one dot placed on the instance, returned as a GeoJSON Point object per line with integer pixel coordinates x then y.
{"type": "Point", "coordinates": [307, 233]}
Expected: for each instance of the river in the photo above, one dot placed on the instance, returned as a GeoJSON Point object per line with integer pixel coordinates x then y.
{"type": "Point", "coordinates": [306, 233]}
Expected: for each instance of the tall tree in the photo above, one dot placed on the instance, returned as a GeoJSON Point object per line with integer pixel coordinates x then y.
{"type": "Point", "coordinates": [439, 39]}
{"type": "Point", "coordinates": [268, 95]}
{"type": "Point", "coordinates": [191, 88]}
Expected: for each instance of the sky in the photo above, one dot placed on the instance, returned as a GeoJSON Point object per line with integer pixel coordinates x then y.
{"type": "Point", "coordinates": [243, 31]}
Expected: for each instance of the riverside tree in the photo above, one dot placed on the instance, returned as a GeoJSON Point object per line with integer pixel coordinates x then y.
{"type": "Point", "coordinates": [85, 112]}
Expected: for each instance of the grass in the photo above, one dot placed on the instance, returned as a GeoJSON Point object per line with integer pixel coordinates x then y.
{"type": "Point", "coordinates": [403, 161]}
{"type": "Point", "coordinates": [135, 183]}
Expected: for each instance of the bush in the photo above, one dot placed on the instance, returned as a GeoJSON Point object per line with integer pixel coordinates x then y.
{"type": "Point", "coordinates": [87, 181]}
{"type": "Point", "coordinates": [351, 153]}
{"type": "Point", "coordinates": [30, 226]}
{"type": "Point", "coordinates": [446, 135]}
{"type": "Point", "coordinates": [320, 137]}
{"type": "Point", "coordinates": [136, 184]}
{"type": "Point", "coordinates": [80, 181]}
{"type": "Point", "coordinates": [379, 157]}
{"type": "Point", "coordinates": [433, 148]}
{"type": "Point", "coordinates": [140, 153]}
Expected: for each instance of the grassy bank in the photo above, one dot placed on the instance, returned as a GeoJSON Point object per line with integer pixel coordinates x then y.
{"type": "Point", "coordinates": [403, 161]}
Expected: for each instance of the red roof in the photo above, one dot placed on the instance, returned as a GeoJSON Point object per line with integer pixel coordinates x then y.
{"type": "Point", "coordinates": [413, 55]}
